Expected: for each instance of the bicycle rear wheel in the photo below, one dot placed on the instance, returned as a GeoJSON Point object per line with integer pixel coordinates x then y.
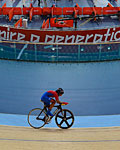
{"type": "Point", "coordinates": [37, 118]}
{"type": "Point", "coordinates": [64, 119]}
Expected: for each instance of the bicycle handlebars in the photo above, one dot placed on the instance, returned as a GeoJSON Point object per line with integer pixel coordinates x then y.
{"type": "Point", "coordinates": [64, 103]}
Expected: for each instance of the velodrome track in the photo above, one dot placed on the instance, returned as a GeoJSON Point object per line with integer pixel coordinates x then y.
{"type": "Point", "coordinates": [87, 133]}
{"type": "Point", "coordinates": [26, 138]}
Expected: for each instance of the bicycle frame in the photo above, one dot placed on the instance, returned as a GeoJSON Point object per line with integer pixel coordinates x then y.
{"type": "Point", "coordinates": [57, 109]}
{"type": "Point", "coordinates": [54, 113]}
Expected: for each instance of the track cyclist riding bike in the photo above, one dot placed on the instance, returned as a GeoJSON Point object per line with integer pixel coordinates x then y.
{"type": "Point", "coordinates": [64, 118]}
{"type": "Point", "coordinates": [48, 100]}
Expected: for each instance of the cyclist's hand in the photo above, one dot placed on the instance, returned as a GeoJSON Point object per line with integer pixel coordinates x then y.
{"type": "Point", "coordinates": [65, 103]}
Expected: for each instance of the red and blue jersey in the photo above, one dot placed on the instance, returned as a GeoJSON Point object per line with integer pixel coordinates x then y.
{"type": "Point", "coordinates": [48, 96]}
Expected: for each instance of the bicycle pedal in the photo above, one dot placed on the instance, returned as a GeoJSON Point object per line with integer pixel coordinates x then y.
{"type": "Point", "coordinates": [48, 120]}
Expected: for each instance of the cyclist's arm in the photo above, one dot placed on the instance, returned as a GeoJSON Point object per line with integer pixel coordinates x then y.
{"type": "Point", "coordinates": [58, 101]}
{"type": "Point", "coordinates": [57, 98]}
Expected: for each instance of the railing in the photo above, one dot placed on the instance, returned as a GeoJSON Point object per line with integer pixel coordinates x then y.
{"type": "Point", "coordinates": [41, 52]}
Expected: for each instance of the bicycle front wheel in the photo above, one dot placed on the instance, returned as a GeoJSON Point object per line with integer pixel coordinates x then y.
{"type": "Point", "coordinates": [37, 118]}
{"type": "Point", "coordinates": [64, 119]}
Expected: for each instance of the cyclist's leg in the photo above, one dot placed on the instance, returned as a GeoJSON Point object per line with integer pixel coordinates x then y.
{"type": "Point", "coordinates": [49, 102]}
{"type": "Point", "coordinates": [52, 101]}
{"type": "Point", "coordinates": [46, 101]}
{"type": "Point", "coordinates": [52, 104]}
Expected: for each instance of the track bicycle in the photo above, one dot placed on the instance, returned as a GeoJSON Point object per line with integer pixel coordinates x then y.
{"type": "Point", "coordinates": [64, 118]}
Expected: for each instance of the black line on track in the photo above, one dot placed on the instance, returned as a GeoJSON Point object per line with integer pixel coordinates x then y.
{"type": "Point", "coordinates": [24, 140]}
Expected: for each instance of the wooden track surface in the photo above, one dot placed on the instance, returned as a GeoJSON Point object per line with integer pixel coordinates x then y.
{"type": "Point", "coordinates": [27, 138]}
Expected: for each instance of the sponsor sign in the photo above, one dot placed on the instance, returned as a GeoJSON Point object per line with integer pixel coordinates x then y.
{"type": "Point", "coordinates": [73, 37]}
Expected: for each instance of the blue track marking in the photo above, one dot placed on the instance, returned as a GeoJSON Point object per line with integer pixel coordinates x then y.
{"type": "Point", "coordinates": [80, 121]}
{"type": "Point", "coordinates": [81, 141]}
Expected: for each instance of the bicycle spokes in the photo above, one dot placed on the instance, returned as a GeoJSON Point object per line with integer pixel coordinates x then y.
{"type": "Point", "coordinates": [59, 116]}
{"type": "Point", "coordinates": [69, 117]}
{"type": "Point", "coordinates": [64, 119]}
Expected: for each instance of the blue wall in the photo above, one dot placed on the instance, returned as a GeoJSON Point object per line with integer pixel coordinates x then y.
{"type": "Point", "coordinates": [90, 88]}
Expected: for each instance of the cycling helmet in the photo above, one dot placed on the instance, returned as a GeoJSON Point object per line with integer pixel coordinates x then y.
{"type": "Point", "coordinates": [60, 91]}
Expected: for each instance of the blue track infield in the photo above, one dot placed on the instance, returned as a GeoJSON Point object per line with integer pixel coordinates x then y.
{"type": "Point", "coordinates": [80, 121]}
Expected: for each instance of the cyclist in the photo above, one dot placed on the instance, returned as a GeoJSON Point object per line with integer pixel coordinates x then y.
{"type": "Point", "coordinates": [48, 100]}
